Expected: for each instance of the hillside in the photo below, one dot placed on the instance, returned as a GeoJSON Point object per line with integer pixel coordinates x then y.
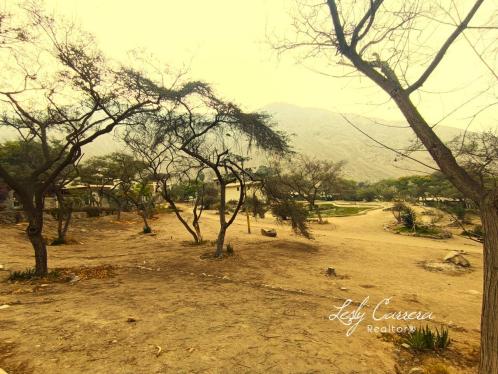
{"type": "Point", "coordinates": [326, 135]}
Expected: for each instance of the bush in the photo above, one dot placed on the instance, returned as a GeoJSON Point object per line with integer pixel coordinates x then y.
{"type": "Point", "coordinates": [408, 218]}
{"type": "Point", "coordinates": [424, 339]}
{"type": "Point", "coordinates": [22, 275]}
{"type": "Point", "coordinates": [231, 205]}
{"type": "Point", "coordinates": [58, 241]}
{"type": "Point", "coordinates": [397, 209]}
{"type": "Point", "coordinates": [28, 274]}
{"type": "Point", "coordinates": [93, 212]}
{"type": "Point", "coordinates": [296, 212]}
{"type": "Point", "coordinates": [255, 206]}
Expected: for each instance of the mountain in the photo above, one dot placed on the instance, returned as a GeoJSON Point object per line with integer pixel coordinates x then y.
{"type": "Point", "coordinates": [327, 135]}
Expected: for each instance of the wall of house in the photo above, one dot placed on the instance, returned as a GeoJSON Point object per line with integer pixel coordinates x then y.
{"type": "Point", "coordinates": [233, 192]}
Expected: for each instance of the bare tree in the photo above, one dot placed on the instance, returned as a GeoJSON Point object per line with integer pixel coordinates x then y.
{"type": "Point", "coordinates": [167, 166]}
{"type": "Point", "coordinates": [61, 89]}
{"type": "Point", "coordinates": [215, 132]}
{"type": "Point", "coordinates": [386, 42]}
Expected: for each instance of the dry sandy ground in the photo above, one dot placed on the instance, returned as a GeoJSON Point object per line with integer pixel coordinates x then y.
{"type": "Point", "coordinates": [264, 310]}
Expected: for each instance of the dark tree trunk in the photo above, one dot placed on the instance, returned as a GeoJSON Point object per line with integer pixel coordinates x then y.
{"type": "Point", "coordinates": [489, 319]}
{"type": "Point", "coordinates": [220, 241]}
{"type": "Point", "coordinates": [34, 232]}
{"type": "Point", "coordinates": [147, 228]}
{"type": "Point", "coordinates": [64, 217]}
{"type": "Point", "coordinates": [195, 234]}
{"type": "Point", "coordinates": [69, 214]}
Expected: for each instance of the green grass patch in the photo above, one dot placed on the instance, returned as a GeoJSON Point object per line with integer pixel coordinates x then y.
{"type": "Point", "coordinates": [425, 230]}
{"type": "Point", "coordinates": [331, 210]}
{"type": "Point", "coordinates": [433, 232]}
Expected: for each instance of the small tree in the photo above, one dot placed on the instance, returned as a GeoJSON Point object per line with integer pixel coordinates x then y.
{"type": "Point", "coordinates": [282, 202]}
{"type": "Point", "coordinates": [397, 209]}
{"type": "Point", "coordinates": [311, 179]}
{"type": "Point", "coordinates": [169, 168]}
{"type": "Point", "coordinates": [112, 176]}
{"type": "Point", "coordinates": [141, 194]}
{"type": "Point", "coordinates": [211, 131]}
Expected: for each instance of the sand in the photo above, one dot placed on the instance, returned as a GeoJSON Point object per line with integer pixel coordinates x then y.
{"type": "Point", "coordinates": [163, 309]}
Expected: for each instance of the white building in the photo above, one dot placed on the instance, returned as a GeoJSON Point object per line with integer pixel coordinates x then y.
{"type": "Point", "coordinates": [252, 188]}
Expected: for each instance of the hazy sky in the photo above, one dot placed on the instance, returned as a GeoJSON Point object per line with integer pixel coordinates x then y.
{"type": "Point", "coordinates": [224, 42]}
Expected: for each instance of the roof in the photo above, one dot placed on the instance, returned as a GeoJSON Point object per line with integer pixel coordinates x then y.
{"type": "Point", "coordinates": [91, 186]}
{"type": "Point", "coordinates": [248, 183]}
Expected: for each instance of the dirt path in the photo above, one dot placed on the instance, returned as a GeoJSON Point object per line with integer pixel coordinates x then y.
{"type": "Point", "coordinates": [264, 310]}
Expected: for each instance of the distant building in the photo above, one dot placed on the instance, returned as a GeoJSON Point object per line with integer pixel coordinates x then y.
{"type": "Point", "coordinates": [252, 188]}
{"type": "Point", "coordinates": [89, 194]}
{"type": "Point", "coordinates": [8, 200]}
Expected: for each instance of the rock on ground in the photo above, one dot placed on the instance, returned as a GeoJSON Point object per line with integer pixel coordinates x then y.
{"type": "Point", "coordinates": [457, 259]}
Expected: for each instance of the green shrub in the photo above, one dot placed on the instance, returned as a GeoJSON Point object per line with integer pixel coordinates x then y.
{"type": "Point", "coordinates": [295, 212]}
{"type": "Point", "coordinates": [22, 275]}
{"type": "Point", "coordinates": [28, 274]}
{"type": "Point", "coordinates": [424, 339]}
{"type": "Point", "coordinates": [93, 212]}
{"type": "Point", "coordinates": [147, 230]}
{"type": "Point", "coordinates": [58, 241]}
{"type": "Point", "coordinates": [397, 209]}
{"type": "Point", "coordinates": [255, 206]}
{"type": "Point", "coordinates": [408, 218]}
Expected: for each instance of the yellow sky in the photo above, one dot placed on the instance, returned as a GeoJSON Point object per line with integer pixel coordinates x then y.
{"type": "Point", "coordinates": [224, 42]}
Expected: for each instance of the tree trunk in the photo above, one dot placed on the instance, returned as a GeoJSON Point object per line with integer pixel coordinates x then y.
{"type": "Point", "coordinates": [34, 232]}
{"type": "Point", "coordinates": [147, 228]}
{"type": "Point", "coordinates": [60, 225]}
{"type": "Point", "coordinates": [63, 217]}
{"type": "Point", "coordinates": [195, 234]}
{"type": "Point", "coordinates": [489, 318]}
{"type": "Point", "coordinates": [317, 208]}
{"type": "Point", "coordinates": [220, 241]}
{"type": "Point", "coordinates": [198, 233]}
{"type": "Point", "coordinates": [223, 226]}
{"type": "Point", "coordinates": [69, 214]}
